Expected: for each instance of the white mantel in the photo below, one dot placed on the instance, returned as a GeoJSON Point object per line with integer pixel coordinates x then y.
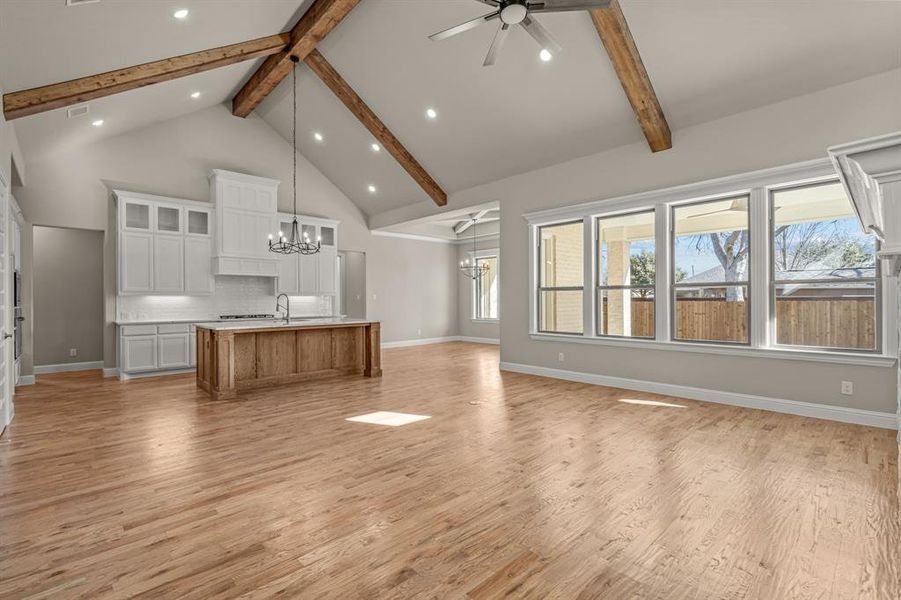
{"type": "Point", "coordinates": [870, 170]}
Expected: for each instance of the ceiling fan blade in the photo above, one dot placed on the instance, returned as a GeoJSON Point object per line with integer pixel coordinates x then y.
{"type": "Point", "coordinates": [494, 3]}
{"type": "Point", "coordinates": [496, 44]}
{"type": "Point", "coordinates": [541, 35]}
{"type": "Point", "coordinates": [443, 35]}
{"type": "Point", "coordinates": [566, 5]}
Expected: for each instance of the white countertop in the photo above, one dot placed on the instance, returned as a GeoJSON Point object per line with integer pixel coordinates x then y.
{"type": "Point", "coordinates": [280, 324]}
{"type": "Point", "coordinates": [208, 321]}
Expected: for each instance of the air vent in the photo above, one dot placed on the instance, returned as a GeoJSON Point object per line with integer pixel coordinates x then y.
{"type": "Point", "coordinates": [80, 2]}
{"type": "Point", "coordinates": [81, 109]}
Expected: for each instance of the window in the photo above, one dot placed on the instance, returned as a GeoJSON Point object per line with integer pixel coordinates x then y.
{"type": "Point", "coordinates": [560, 278]}
{"type": "Point", "coordinates": [626, 275]}
{"type": "Point", "coordinates": [711, 258]}
{"type": "Point", "coordinates": [485, 289]}
{"type": "Point", "coordinates": [825, 279]}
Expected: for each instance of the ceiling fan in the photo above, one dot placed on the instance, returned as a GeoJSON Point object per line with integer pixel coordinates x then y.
{"type": "Point", "coordinates": [519, 12]}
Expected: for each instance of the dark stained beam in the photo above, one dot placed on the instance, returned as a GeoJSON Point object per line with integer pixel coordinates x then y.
{"type": "Point", "coordinates": [313, 26]}
{"type": "Point", "coordinates": [333, 80]}
{"type": "Point", "coordinates": [41, 99]}
{"type": "Point", "coordinates": [617, 39]}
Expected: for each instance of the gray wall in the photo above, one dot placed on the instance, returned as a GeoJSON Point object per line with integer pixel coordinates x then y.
{"type": "Point", "coordinates": [68, 295]}
{"type": "Point", "coordinates": [787, 132]}
{"type": "Point", "coordinates": [173, 158]}
{"type": "Point", "coordinates": [354, 289]}
{"type": "Point", "coordinates": [467, 327]}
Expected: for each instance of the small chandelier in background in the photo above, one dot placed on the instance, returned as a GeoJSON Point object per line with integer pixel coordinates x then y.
{"type": "Point", "coordinates": [295, 243]}
{"type": "Point", "coordinates": [473, 269]}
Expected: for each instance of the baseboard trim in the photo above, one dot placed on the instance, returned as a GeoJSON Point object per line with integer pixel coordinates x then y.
{"type": "Point", "coordinates": [439, 340]}
{"type": "Point", "coordinates": [129, 376]}
{"type": "Point", "coordinates": [792, 407]}
{"type": "Point", "coordinates": [110, 372]}
{"type": "Point", "coordinates": [25, 380]}
{"type": "Point", "coordinates": [479, 340]}
{"type": "Point", "coordinates": [419, 342]}
{"type": "Point", "coordinates": [66, 367]}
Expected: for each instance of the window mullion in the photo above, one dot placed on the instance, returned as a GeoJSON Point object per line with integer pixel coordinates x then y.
{"type": "Point", "coordinates": [588, 278]}
{"type": "Point", "coordinates": [759, 274]}
{"type": "Point", "coordinates": [663, 273]}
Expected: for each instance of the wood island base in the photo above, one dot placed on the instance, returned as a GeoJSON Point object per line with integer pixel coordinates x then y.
{"type": "Point", "coordinates": [242, 358]}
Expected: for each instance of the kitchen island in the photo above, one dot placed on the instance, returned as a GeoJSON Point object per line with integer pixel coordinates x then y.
{"type": "Point", "coordinates": [252, 354]}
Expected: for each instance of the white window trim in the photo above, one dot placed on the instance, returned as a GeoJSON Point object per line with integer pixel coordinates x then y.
{"type": "Point", "coordinates": [758, 184]}
{"type": "Point", "coordinates": [485, 253]}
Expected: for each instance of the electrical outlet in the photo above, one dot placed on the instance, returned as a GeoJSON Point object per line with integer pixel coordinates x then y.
{"type": "Point", "coordinates": [374, 297]}
{"type": "Point", "coordinates": [848, 388]}
{"type": "Point", "coordinates": [419, 332]}
{"type": "Point", "coordinates": [560, 357]}
{"type": "Point", "coordinates": [73, 351]}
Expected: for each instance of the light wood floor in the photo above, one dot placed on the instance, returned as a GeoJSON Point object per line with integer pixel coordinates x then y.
{"type": "Point", "coordinates": [517, 486]}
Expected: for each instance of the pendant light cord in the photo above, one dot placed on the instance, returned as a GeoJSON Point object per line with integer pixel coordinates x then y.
{"type": "Point", "coordinates": [294, 133]}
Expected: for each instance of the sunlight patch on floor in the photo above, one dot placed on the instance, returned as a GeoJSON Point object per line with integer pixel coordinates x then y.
{"type": "Point", "coordinates": [383, 417]}
{"type": "Point", "coordinates": [651, 403]}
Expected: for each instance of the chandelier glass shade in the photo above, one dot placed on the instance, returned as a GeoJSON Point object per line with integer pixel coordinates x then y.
{"type": "Point", "coordinates": [472, 268]}
{"type": "Point", "coordinates": [294, 242]}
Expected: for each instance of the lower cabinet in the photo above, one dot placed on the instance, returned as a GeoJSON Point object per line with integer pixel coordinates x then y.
{"type": "Point", "coordinates": [139, 353]}
{"type": "Point", "coordinates": [173, 350]}
{"type": "Point", "coordinates": [148, 348]}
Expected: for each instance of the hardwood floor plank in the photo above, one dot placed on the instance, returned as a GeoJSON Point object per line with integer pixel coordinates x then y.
{"type": "Point", "coordinates": [517, 486]}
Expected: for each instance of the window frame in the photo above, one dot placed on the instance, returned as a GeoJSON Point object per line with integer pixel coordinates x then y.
{"type": "Point", "coordinates": [773, 282]}
{"type": "Point", "coordinates": [476, 284]}
{"type": "Point", "coordinates": [539, 288]}
{"type": "Point", "coordinates": [674, 285]}
{"type": "Point", "coordinates": [598, 288]}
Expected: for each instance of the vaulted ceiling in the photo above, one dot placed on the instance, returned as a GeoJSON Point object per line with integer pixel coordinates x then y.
{"type": "Point", "coordinates": [706, 59]}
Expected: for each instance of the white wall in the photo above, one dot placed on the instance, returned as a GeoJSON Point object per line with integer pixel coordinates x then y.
{"type": "Point", "coordinates": [792, 131]}
{"type": "Point", "coordinates": [173, 158]}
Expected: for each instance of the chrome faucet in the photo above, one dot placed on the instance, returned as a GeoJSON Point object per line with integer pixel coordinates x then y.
{"type": "Point", "coordinates": [287, 307]}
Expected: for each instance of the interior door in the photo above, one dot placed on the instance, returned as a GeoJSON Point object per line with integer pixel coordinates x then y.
{"type": "Point", "coordinates": [5, 316]}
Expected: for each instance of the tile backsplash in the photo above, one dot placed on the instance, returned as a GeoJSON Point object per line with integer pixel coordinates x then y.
{"type": "Point", "coordinates": [232, 296]}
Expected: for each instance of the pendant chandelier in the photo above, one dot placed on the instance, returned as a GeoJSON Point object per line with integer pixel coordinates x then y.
{"type": "Point", "coordinates": [294, 243]}
{"type": "Point", "coordinates": [473, 269]}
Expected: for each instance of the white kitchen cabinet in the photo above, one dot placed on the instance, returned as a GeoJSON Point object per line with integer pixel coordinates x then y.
{"type": "Point", "coordinates": [164, 245]}
{"type": "Point", "coordinates": [139, 353]}
{"type": "Point", "coordinates": [168, 263]}
{"type": "Point", "coordinates": [192, 350]}
{"type": "Point", "coordinates": [198, 266]}
{"type": "Point", "coordinates": [328, 270]}
{"type": "Point", "coordinates": [136, 262]}
{"type": "Point", "coordinates": [245, 218]}
{"type": "Point", "coordinates": [174, 350]}
{"type": "Point", "coordinates": [314, 274]}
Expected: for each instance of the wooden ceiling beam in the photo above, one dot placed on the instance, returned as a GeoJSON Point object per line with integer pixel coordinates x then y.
{"type": "Point", "coordinates": [333, 80]}
{"type": "Point", "coordinates": [617, 39]}
{"type": "Point", "coordinates": [314, 25]}
{"type": "Point", "coordinates": [41, 99]}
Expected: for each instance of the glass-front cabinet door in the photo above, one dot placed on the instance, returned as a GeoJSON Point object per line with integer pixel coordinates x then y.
{"type": "Point", "coordinates": [168, 219]}
{"type": "Point", "coordinates": [198, 221]}
{"type": "Point", "coordinates": [137, 215]}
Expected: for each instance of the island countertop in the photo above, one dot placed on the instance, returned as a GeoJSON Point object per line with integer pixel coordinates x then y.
{"type": "Point", "coordinates": [265, 324]}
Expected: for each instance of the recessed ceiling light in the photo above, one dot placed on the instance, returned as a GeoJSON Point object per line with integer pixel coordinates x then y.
{"type": "Point", "coordinates": [431, 113]}
{"type": "Point", "coordinates": [545, 55]}
{"type": "Point", "coordinates": [195, 95]}
{"type": "Point", "coordinates": [97, 123]}
{"type": "Point", "coordinates": [372, 189]}
{"type": "Point", "coordinates": [181, 13]}
{"type": "Point", "coordinates": [375, 147]}
{"type": "Point", "coordinates": [318, 136]}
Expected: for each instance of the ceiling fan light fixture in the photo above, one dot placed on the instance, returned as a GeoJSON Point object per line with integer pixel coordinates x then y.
{"type": "Point", "coordinates": [514, 14]}
{"type": "Point", "coordinates": [545, 55]}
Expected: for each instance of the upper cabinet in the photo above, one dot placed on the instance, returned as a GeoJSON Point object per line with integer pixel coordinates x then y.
{"type": "Point", "coordinates": [164, 245]}
{"type": "Point", "coordinates": [245, 218]}
{"type": "Point", "coordinates": [314, 274]}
